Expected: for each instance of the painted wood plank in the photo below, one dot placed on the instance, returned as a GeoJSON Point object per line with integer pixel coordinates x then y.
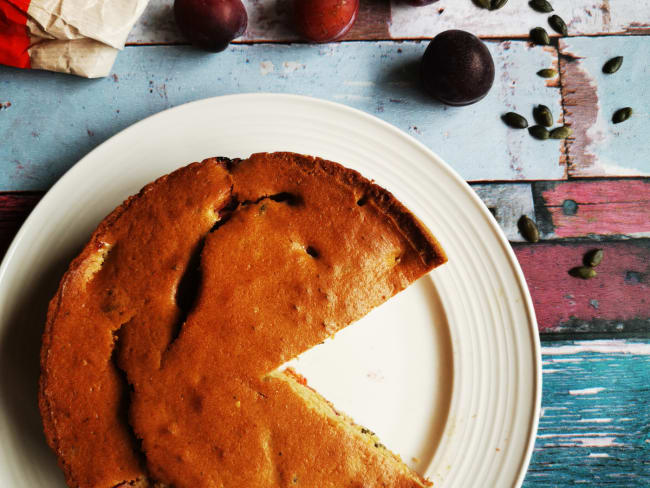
{"type": "Point", "coordinates": [599, 147]}
{"type": "Point", "coordinates": [616, 301]}
{"type": "Point", "coordinates": [14, 209]}
{"type": "Point", "coordinates": [270, 20]}
{"type": "Point", "coordinates": [595, 419]}
{"type": "Point", "coordinates": [598, 209]}
{"type": "Point", "coordinates": [516, 18]}
{"type": "Point", "coordinates": [507, 202]}
{"type": "Point", "coordinates": [586, 208]}
{"type": "Point", "coordinates": [612, 208]}
{"type": "Point", "coordinates": [380, 78]}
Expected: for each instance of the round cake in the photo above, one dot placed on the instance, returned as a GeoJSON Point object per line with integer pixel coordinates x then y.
{"type": "Point", "coordinates": [162, 348]}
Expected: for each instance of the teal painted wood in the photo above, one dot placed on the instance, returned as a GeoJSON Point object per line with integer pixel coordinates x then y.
{"type": "Point", "coordinates": [55, 119]}
{"type": "Point", "coordinates": [594, 428]}
{"type": "Point", "coordinates": [591, 97]}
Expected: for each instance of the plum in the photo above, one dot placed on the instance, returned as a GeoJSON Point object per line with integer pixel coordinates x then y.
{"type": "Point", "coordinates": [324, 20]}
{"type": "Point", "coordinates": [457, 68]}
{"type": "Point", "coordinates": [211, 24]}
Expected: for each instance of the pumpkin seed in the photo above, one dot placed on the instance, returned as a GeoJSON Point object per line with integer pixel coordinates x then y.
{"type": "Point", "coordinates": [560, 132]}
{"type": "Point", "coordinates": [484, 3]}
{"type": "Point", "coordinates": [528, 229]}
{"type": "Point", "coordinates": [514, 120]}
{"type": "Point", "coordinates": [497, 4]}
{"type": "Point", "coordinates": [584, 272]}
{"type": "Point", "coordinates": [543, 116]}
{"type": "Point", "coordinates": [547, 73]}
{"type": "Point", "coordinates": [539, 132]}
{"type": "Point", "coordinates": [558, 25]}
{"type": "Point", "coordinates": [541, 6]}
{"type": "Point", "coordinates": [593, 258]}
{"type": "Point", "coordinates": [540, 36]}
{"type": "Point", "coordinates": [613, 65]}
{"type": "Point", "coordinates": [621, 115]}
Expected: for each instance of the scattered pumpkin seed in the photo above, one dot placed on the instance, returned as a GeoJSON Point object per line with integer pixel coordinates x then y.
{"type": "Point", "coordinates": [621, 115]}
{"type": "Point", "coordinates": [514, 120]}
{"type": "Point", "coordinates": [543, 116]}
{"type": "Point", "coordinates": [541, 6]}
{"type": "Point", "coordinates": [528, 229]}
{"type": "Point", "coordinates": [558, 25]}
{"type": "Point", "coordinates": [547, 73]}
{"type": "Point", "coordinates": [593, 258]}
{"type": "Point", "coordinates": [560, 132]}
{"type": "Point", "coordinates": [539, 36]}
{"type": "Point", "coordinates": [539, 132]}
{"type": "Point", "coordinates": [491, 4]}
{"type": "Point", "coordinates": [584, 272]}
{"type": "Point", "coordinates": [613, 65]}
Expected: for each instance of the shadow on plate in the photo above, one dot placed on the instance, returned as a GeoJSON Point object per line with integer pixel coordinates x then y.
{"type": "Point", "coordinates": [444, 380]}
{"type": "Point", "coordinates": [20, 347]}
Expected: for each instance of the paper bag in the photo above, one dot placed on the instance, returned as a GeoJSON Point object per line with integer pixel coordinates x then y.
{"type": "Point", "coordinates": [81, 37]}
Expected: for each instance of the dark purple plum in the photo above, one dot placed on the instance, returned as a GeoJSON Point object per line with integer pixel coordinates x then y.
{"type": "Point", "coordinates": [420, 3]}
{"type": "Point", "coordinates": [211, 24]}
{"type": "Point", "coordinates": [457, 68]}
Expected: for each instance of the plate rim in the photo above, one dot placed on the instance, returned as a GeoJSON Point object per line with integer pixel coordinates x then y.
{"type": "Point", "coordinates": [493, 224]}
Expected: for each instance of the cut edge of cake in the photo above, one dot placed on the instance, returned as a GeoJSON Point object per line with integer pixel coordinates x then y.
{"type": "Point", "coordinates": [324, 407]}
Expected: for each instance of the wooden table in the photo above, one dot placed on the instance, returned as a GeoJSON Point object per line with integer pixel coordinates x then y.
{"type": "Point", "coordinates": [590, 191]}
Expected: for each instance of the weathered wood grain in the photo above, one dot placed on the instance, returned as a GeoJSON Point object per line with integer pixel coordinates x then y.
{"type": "Point", "coordinates": [615, 301]}
{"type": "Point", "coordinates": [507, 202]}
{"type": "Point", "coordinates": [596, 209]}
{"type": "Point", "coordinates": [270, 20]}
{"type": "Point", "coordinates": [516, 18]}
{"type": "Point", "coordinates": [588, 208]}
{"type": "Point", "coordinates": [381, 78]}
{"type": "Point", "coordinates": [601, 208]}
{"type": "Point", "coordinates": [594, 422]}
{"type": "Point", "coordinates": [590, 98]}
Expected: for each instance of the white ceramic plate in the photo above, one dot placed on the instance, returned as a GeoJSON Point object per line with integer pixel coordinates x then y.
{"type": "Point", "coordinates": [447, 373]}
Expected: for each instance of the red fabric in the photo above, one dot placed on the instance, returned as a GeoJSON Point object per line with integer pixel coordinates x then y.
{"type": "Point", "coordinates": [14, 39]}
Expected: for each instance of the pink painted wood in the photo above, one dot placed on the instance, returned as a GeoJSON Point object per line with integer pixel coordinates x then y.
{"type": "Point", "coordinates": [603, 207]}
{"type": "Point", "coordinates": [617, 300]}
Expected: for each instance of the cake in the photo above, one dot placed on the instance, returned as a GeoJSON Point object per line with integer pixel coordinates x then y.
{"type": "Point", "coordinates": [162, 352]}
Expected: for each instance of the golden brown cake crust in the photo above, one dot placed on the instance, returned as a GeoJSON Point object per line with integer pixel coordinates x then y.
{"type": "Point", "coordinates": [300, 248]}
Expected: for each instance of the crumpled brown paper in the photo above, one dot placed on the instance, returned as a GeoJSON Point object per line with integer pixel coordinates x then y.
{"type": "Point", "coordinates": [81, 37]}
